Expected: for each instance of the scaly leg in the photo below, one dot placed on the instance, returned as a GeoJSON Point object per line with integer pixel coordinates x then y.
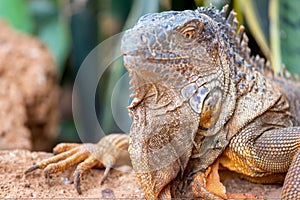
{"type": "Point", "coordinates": [291, 187]}
{"type": "Point", "coordinates": [259, 153]}
{"type": "Point", "coordinates": [110, 151]}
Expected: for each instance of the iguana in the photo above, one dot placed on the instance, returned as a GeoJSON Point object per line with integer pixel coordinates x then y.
{"type": "Point", "coordinates": [199, 99]}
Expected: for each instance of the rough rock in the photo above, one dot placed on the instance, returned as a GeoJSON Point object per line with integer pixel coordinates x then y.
{"type": "Point", "coordinates": [29, 92]}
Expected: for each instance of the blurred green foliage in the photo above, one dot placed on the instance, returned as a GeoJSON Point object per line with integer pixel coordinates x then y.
{"type": "Point", "coordinates": [51, 26]}
{"type": "Point", "coordinates": [17, 13]}
{"type": "Point", "coordinates": [289, 22]}
{"type": "Point", "coordinates": [72, 28]}
{"type": "Point", "coordinates": [42, 18]}
{"type": "Point", "coordinates": [275, 26]}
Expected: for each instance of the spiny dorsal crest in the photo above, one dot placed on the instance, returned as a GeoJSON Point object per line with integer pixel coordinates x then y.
{"type": "Point", "coordinates": [236, 36]}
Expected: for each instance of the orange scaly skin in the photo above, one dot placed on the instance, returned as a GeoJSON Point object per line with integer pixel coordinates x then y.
{"type": "Point", "coordinates": [200, 100]}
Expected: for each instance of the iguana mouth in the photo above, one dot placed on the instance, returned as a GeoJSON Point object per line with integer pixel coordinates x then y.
{"type": "Point", "coordinates": [160, 63]}
{"type": "Point", "coordinates": [172, 61]}
{"type": "Point", "coordinates": [161, 56]}
{"type": "Point", "coordinates": [166, 56]}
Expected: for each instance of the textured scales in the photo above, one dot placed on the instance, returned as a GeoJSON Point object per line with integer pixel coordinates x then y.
{"type": "Point", "coordinates": [200, 99]}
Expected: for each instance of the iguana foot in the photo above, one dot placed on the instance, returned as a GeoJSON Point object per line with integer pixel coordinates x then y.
{"type": "Point", "coordinates": [207, 185]}
{"type": "Point", "coordinates": [80, 155]}
{"type": "Point", "coordinates": [106, 153]}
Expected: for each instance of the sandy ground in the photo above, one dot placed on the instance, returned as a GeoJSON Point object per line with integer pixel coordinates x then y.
{"type": "Point", "coordinates": [14, 184]}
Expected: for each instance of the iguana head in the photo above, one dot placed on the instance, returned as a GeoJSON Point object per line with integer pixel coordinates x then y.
{"type": "Point", "coordinates": [174, 49]}
{"type": "Point", "coordinates": [183, 60]}
{"type": "Point", "coordinates": [192, 52]}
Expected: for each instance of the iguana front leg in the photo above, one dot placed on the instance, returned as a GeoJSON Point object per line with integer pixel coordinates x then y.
{"type": "Point", "coordinates": [264, 155]}
{"type": "Point", "coordinates": [110, 151]}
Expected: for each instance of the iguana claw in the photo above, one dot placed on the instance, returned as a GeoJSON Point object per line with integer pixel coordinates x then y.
{"type": "Point", "coordinates": [86, 156]}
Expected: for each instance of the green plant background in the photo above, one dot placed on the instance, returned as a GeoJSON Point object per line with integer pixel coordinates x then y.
{"type": "Point", "coordinates": [72, 28]}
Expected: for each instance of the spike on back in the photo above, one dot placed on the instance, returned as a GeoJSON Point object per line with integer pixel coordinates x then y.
{"type": "Point", "coordinates": [231, 17]}
{"type": "Point", "coordinates": [224, 10]}
{"type": "Point", "coordinates": [241, 41]}
{"type": "Point", "coordinates": [237, 36]}
{"type": "Point", "coordinates": [261, 63]}
{"type": "Point", "coordinates": [296, 77]}
{"type": "Point", "coordinates": [286, 73]}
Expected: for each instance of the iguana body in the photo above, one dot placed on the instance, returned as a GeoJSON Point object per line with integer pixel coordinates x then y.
{"type": "Point", "coordinates": [200, 99]}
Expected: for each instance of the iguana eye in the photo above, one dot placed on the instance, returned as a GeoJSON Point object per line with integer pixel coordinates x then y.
{"type": "Point", "coordinates": [190, 30]}
{"type": "Point", "coordinates": [188, 34]}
